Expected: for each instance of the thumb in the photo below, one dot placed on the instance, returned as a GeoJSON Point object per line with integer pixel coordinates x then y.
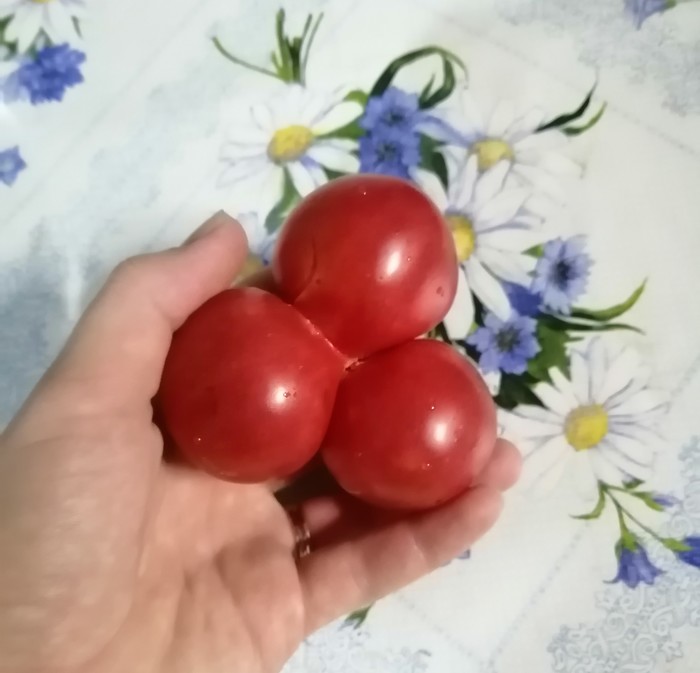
{"type": "Point", "coordinates": [78, 464]}
{"type": "Point", "coordinates": [113, 360]}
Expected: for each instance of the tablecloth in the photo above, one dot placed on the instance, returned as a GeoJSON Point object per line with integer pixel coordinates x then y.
{"type": "Point", "coordinates": [561, 139]}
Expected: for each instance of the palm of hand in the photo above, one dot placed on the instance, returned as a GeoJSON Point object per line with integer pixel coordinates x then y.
{"type": "Point", "coordinates": [151, 567]}
{"type": "Point", "coordinates": [217, 587]}
{"type": "Point", "coordinates": [111, 560]}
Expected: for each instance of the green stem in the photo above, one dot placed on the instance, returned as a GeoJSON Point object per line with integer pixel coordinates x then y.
{"type": "Point", "coordinates": [620, 516]}
{"type": "Point", "coordinates": [622, 512]}
{"type": "Point", "coordinates": [608, 487]}
{"type": "Point", "coordinates": [644, 496]}
{"type": "Point", "coordinates": [305, 31]}
{"type": "Point", "coordinates": [287, 70]}
{"type": "Point", "coordinates": [306, 48]}
{"type": "Point", "coordinates": [234, 59]}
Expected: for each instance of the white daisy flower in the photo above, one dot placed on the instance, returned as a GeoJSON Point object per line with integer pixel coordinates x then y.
{"type": "Point", "coordinates": [507, 135]}
{"type": "Point", "coordinates": [491, 229]}
{"type": "Point", "coordinates": [599, 424]}
{"type": "Point", "coordinates": [32, 17]}
{"type": "Point", "coordinates": [261, 243]}
{"type": "Point", "coordinates": [286, 135]}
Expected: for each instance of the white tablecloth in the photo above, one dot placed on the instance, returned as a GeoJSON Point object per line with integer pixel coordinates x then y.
{"type": "Point", "coordinates": [138, 153]}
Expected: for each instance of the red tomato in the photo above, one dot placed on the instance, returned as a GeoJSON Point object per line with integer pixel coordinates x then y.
{"type": "Point", "coordinates": [369, 261]}
{"type": "Point", "coordinates": [411, 427]}
{"type": "Point", "coordinates": [248, 387]}
{"type": "Point", "coordinates": [250, 383]}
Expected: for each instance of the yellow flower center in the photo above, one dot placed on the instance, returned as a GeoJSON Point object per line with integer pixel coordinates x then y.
{"type": "Point", "coordinates": [586, 426]}
{"type": "Point", "coordinates": [463, 235]}
{"type": "Point", "coordinates": [289, 143]}
{"type": "Point", "coordinates": [490, 151]}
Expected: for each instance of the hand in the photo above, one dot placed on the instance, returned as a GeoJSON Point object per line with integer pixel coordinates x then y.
{"type": "Point", "coordinates": [112, 560]}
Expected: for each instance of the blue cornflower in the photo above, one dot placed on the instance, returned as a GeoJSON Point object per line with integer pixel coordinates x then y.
{"type": "Point", "coordinates": [691, 555]}
{"type": "Point", "coordinates": [46, 77]}
{"type": "Point", "coordinates": [463, 556]}
{"type": "Point", "coordinates": [505, 345]}
{"type": "Point", "coordinates": [11, 164]}
{"type": "Point", "coordinates": [523, 300]}
{"type": "Point", "coordinates": [665, 500]}
{"type": "Point", "coordinates": [641, 10]}
{"type": "Point", "coordinates": [562, 273]}
{"type": "Point", "coordinates": [393, 124]}
{"type": "Point", "coordinates": [397, 110]}
{"type": "Point", "coordinates": [394, 109]}
{"type": "Point", "coordinates": [389, 153]}
{"type": "Point", "coordinates": [391, 144]}
{"type": "Point", "coordinates": [634, 565]}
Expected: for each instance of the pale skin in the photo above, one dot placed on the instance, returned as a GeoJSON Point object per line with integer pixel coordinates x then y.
{"type": "Point", "coordinates": [112, 560]}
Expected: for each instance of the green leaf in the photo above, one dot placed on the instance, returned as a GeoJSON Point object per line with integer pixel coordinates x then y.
{"type": "Point", "coordinates": [552, 354]}
{"type": "Point", "coordinates": [305, 31]}
{"type": "Point", "coordinates": [628, 540]}
{"type": "Point", "coordinates": [276, 62]}
{"type": "Point", "coordinates": [606, 314]}
{"type": "Point", "coordinates": [559, 324]}
{"type": "Point", "coordinates": [607, 327]}
{"type": "Point", "coordinates": [357, 96]}
{"type": "Point", "coordinates": [632, 484]}
{"type": "Point", "coordinates": [427, 88]}
{"type": "Point", "coordinates": [306, 52]}
{"type": "Point", "coordinates": [238, 61]}
{"type": "Point", "coordinates": [432, 159]}
{"type": "Point", "coordinates": [357, 618]}
{"type": "Point", "coordinates": [352, 130]}
{"type": "Point", "coordinates": [440, 167]}
{"type": "Point", "coordinates": [289, 198]}
{"type": "Point", "coordinates": [295, 52]}
{"type": "Point", "coordinates": [596, 511]}
{"type": "Point", "coordinates": [536, 251]}
{"type": "Point", "coordinates": [516, 390]}
{"type": "Point", "coordinates": [569, 117]}
{"type": "Point", "coordinates": [11, 49]}
{"type": "Point", "coordinates": [286, 72]}
{"type": "Point", "coordinates": [674, 545]}
{"type": "Point", "coordinates": [578, 130]}
{"type": "Point", "coordinates": [290, 58]}
{"type": "Point", "coordinates": [618, 549]}
{"type": "Point", "coordinates": [387, 77]}
{"type": "Point", "coordinates": [449, 80]}
{"type": "Point", "coordinates": [647, 498]}
{"type": "Point", "coordinates": [439, 332]}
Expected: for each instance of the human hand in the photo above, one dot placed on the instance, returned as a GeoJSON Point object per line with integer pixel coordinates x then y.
{"type": "Point", "coordinates": [112, 560]}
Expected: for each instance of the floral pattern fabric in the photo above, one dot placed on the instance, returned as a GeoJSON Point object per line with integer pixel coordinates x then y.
{"type": "Point", "coordinates": [569, 192]}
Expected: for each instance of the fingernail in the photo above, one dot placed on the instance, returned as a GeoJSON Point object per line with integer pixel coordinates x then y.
{"type": "Point", "coordinates": [218, 219]}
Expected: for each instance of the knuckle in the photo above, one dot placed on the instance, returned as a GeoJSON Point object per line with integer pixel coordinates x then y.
{"type": "Point", "coordinates": [131, 271]}
{"type": "Point", "coordinates": [129, 267]}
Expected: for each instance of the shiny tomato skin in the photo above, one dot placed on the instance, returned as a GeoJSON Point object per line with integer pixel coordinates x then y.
{"type": "Point", "coordinates": [369, 260]}
{"type": "Point", "coordinates": [411, 428]}
{"type": "Point", "coordinates": [248, 387]}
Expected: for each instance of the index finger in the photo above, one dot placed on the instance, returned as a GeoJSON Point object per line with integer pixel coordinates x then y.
{"type": "Point", "coordinates": [114, 358]}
